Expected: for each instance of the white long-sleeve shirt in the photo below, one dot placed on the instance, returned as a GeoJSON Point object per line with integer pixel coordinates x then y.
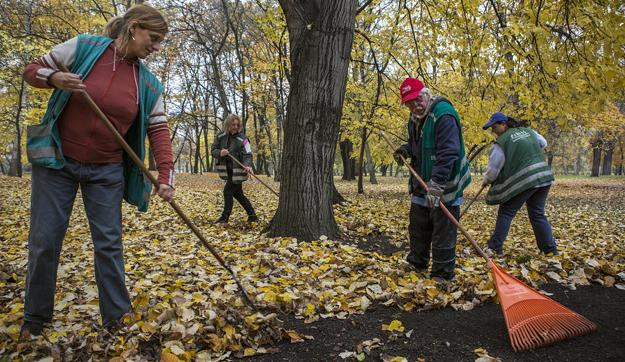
{"type": "Point", "coordinates": [497, 159]}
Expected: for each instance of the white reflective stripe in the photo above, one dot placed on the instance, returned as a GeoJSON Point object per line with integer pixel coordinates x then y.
{"type": "Point", "coordinates": [221, 167]}
{"type": "Point", "coordinates": [239, 178]}
{"type": "Point", "coordinates": [544, 184]}
{"type": "Point", "coordinates": [520, 185]}
{"type": "Point", "coordinates": [518, 174]}
{"type": "Point", "coordinates": [458, 181]}
{"type": "Point", "coordinates": [463, 183]}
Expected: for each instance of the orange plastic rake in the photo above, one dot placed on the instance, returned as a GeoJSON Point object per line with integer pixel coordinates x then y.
{"type": "Point", "coordinates": [533, 320]}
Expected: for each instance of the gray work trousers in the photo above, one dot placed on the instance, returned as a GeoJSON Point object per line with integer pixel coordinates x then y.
{"type": "Point", "coordinates": [52, 198]}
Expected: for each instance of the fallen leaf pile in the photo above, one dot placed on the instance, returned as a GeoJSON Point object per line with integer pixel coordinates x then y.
{"type": "Point", "coordinates": [186, 306]}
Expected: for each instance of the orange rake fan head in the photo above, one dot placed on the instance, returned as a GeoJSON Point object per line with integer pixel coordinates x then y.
{"type": "Point", "coordinates": [534, 320]}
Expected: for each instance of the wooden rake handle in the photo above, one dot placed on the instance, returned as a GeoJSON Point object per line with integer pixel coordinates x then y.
{"type": "Point", "coordinates": [441, 205]}
{"type": "Point", "coordinates": [471, 202]}
{"type": "Point", "coordinates": [256, 177]}
{"type": "Point", "coordinates": [135, 159]}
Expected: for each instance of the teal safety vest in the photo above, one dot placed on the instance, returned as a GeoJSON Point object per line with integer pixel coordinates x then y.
{"type": "Point", "coordinates": [43, 145]}
{"type": "Point", "coordinates": [461, 172]}
{"type": "Point", "coordinates": [525, 166]}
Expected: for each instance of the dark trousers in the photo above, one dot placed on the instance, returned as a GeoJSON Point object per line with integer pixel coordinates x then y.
{"type": "Point", "coordinates": [431, 229]}
{"type": "Point", "coordinates": [232, 190]}
{"type": "Point", "coordinates": [535, 200]}
{"type": "Point", "coordinates": [52, 198]}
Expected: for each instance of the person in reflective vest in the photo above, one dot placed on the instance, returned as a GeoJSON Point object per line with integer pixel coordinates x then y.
{"type": "Point", "coordinates": [518, 174]}
{"type": "Point", "coordinates": [232, 142]}
{"type": "Point", "coordinates": [436, 151]}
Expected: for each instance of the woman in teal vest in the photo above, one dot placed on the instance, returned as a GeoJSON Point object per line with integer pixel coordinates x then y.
{"type": "Point", "coordinates": [519, 175]}
{"type": "Point", "coordinates": [72, 148]}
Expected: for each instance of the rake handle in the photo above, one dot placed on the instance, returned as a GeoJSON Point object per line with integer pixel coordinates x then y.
{"type": "Point", "coordinates": [256, 177]}
{"type": "Point", "coordinates": [471, 202]}
{"type": "Point", "coordinates": [441, 205]}
{"type": "Point", "coordinates": [135, 159]}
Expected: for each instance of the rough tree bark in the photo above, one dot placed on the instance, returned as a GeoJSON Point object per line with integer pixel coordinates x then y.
{"type": "Point", "coordinates": [608, 149]}
{"type": "Point", "coordinates": [320, 39]}
{"type": "Point", "coordinates": [597, 147]}
{"type": "Point", "coordinates": [370, 165]}
{"type": "Point", "coordinates": [347, 148]}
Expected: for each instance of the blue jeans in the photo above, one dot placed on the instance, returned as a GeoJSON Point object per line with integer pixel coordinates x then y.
{"type": "Point", "coordinates": [535, 200]}
{"type": "Point", "coordinates": [52, 198]}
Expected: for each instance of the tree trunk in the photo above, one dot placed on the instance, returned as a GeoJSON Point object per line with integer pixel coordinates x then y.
{"type": "Point", "coordinates": [608, 149]}
{"type": "Point", "coordinates": [550, 159]}
{"type": "Point", "coordinates": [277, 166]}
{"type": "Point", "coordinates": [361, 158]}
{"type": "Point", "coordinates": [207, 152]}
{"type": "Point", "coordinates": [15, 166]}
{"type": "Point", "coordinates": [337, 198]}
{"type": "Point", "coordinates": [259, 156]}
{"type": "Point", "coordinates": [578, 163]}
{"type": "Point", "coordinates": [371, 165]}
{"type": "Point", "coordinates": [151, 161]}
{"type": "Point", "coordinates": [596, 157]}
{"type": "Point", "coordinates": [346, 152]}
{"type": "Point", "coordinates": [620, 167]}
{"type": "Point", "coordinates": [320, 39]}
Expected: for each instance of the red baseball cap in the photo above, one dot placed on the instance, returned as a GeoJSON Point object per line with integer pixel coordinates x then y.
{"type": "Point", "coordinates": [410, 89]}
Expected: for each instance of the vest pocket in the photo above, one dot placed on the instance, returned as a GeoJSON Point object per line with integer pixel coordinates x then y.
{"type": "Point", "coordinates": [41, 148]}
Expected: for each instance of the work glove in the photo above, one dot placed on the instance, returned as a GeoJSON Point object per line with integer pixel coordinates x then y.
{"type": "Point", "coordinates": [397, 153]}
{"type": "Point", "coordinates": [435, 192]}
{"type": "Point", "coordinates": [485, 182]}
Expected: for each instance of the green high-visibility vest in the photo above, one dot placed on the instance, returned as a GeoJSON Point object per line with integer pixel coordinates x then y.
{"type": "Point", "coordinates": [525, 166]}
{"type": "Point", "coordinates": [461, 172]}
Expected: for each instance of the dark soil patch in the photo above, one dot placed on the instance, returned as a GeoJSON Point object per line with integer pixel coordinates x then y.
{"type": "Point", "coordinates": [380, 244]}
{"type": "Point", "coordinates": [448, 335]}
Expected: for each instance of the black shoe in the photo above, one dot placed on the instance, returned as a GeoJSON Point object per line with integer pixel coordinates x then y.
{"type": "Point", "coordinates": [252, 218]}
{"type": "Point", "coordinates": [113, 327]}
{"type": "Point", "coordinates": [221, 220]}
{"type": "Point", "coordinates": [409, 267]}
{"type": "Point", "coordinates": [493, 252]}
{"type": "Point", "coordinates": [442, 283]}
{"type": "Point", "coordinates": [33, 328]}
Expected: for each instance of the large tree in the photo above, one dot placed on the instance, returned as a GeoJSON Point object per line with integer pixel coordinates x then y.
{"type": "Point", "coordinates": [321, 33]}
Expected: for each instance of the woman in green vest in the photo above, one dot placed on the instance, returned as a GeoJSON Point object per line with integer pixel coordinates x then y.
{"type": "Point", "coordinates": [519, 175]}
{"type": "Point", "coordinates": [72, 148]}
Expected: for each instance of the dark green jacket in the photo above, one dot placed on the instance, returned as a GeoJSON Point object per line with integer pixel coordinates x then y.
{"type": "Point", "coordinates": [239, 147]}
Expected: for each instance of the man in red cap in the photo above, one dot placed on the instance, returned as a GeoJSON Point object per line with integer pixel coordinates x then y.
{"type": "Point", "coordinates": [436, 151]}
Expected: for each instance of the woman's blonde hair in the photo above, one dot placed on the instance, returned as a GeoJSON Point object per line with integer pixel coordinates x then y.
{"type": "Point", "coordinates": [231, 117]}
{"type": "Point", "coordinates": [142, 15]}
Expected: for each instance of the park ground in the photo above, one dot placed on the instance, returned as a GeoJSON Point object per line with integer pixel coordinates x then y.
{"type": "Point", "coordinates": [344, 299]}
